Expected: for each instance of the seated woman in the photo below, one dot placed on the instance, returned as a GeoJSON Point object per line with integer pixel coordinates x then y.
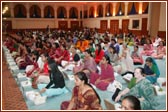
{"type": "Point", "coordinates": [99, 53]}
{"type": "Point", "coordinates": [79, 44]}
{"type": "Point", "coordinates": [126, 62]}
{"type": "Point", "coordinates": [151, 70]}
{"type": "Point", "coordinates": [88, 66]}
{"type": "Point", "coordinates": [74, 60]}
{"type": "Point", "coordinates": [41, 75]}
{"type": "Point", "coordinates": [116, 45]}
{"type": "Point", "coordinates": [31, 68]}
{"type": "Point", "coordinates": [130, 41]}
{"type": "Point", "coordinates": [156, 41]}
{"type": "Point", "coordinates": [111, 52]}
{"type": "Point", "coordinates": [84, 97]}
{"type": "Point", "coordinates": [56, 86]}
{"type": "Point", "coordinates": [140, 87]}
{"type": "Point", "coordinates": [91, 47]}
{"type": "Point", "coordinates": [64, 54]}
{"type": "Point", "coordinates": [85, 44]}
{"type": "Point", "coordinates": [23, 59]}
{"type": "Point", "coordinates": [148, 48]}
{"type": "Point", "coordinates": [130, 103]}
{"type": "Point", "coordinates": [137, 59]}
{"type": "Point", "coordinates": [102, 80]}
{"type": "Point", "coordinates": [55, 50]}
{"type": "Point", "coordinates": [160, 51]}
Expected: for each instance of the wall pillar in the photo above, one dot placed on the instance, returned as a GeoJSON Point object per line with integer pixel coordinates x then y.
{"type": "Point", "coordinates": [11, 7]}
{"type": "Point", "coordinates": [126, 9]}
{"type": "Point", "coordinates": [104, 10]}
{"type": "Point", "coordinates": [114, 8]}
{"type": "Point", "coordinates": [67, 9]}
{"type": "Point", "coordinates": [27, 8]}
{"type": "Point", "coordinates": [42, 10]}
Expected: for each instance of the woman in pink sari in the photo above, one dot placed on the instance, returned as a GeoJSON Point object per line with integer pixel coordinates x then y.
{"type": "Point", "coordinates": [137, 59]}
{"type": "Point", "coordinates": [148, 48]}
{"type": "Point", "coordinates": [160, 51]}
{"type": "Point", "coordinates": [102, 80]}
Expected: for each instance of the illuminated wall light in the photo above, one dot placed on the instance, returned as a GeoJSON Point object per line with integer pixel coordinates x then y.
{"type": "Point", "coordinates": [120, 13]}
{"type": "Point", "coordinates": [6, 8]}
{"type": "Point", "coordinates": [108, 14]}
{"type": "Point", "coordinates": [95, 15]}
{"type": "Point", "coordinates": [113, 13]}
{"type": "Point", "coordinates": [140, 11]}
{"type": "Point", "coordinates": [140, 8]}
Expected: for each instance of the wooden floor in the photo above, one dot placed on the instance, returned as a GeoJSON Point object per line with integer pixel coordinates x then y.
{"type": "Point", "coordinates": [12, 98]}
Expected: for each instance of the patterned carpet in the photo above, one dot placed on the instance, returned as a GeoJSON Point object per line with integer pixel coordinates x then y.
{"type": "Point", "coordinates": [12, 98]}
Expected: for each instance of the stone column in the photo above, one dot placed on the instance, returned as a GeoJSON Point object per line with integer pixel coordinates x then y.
{"type": "Point", "coordinates": [79, 9]}
{"type": "Point", "coordinates": [88, 11]}
{"type": "Point", "coordinates": [67, 9]}
{"type": "Point", "coordinates": [140, 8]}
{"type": "Point", "coordinates": [95, 11]}
{"type": "Point", "coordinates": [11, 7]}
{"type": "Point", "coordinates": [114, 8]}
{"type": "Point", "coordinates": [126, 9]}
{"type": "Point", "coordinates": [55, 11]}
{"type": "Point", "coordinates": [42, 10]}
{"type": "Point", "coordinates": [83, 11]}
{"type": "Point", "coordinates": [27, 8]}
{"type": "Point", "coordinates": [104, 10]}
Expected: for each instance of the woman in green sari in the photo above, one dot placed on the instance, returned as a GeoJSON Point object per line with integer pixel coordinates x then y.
{"type": "Point", "coordinates": [151, 70]}
{"type": "Point", "coordinates": [141, 88]}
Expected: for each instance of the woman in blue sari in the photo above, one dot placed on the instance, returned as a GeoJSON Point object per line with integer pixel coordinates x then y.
{"type": "Point", "coordinates": [151, 70]}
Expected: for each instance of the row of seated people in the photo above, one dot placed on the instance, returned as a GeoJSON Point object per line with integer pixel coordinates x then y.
{"type": "Point", "coordinates": [120, 64]}
{"type": "Point", "coordinates": [148, 48]}
{"type": "Point", "coordinates": [88, 65]}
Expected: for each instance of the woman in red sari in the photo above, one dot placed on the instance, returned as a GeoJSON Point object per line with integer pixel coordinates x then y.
{"type": "Point", "coordinates": [65, 55]}
{"type": "Point", "coordinates": [55, 49]}
{"type": "Point", "coordinates": [102, 80]}
{"type": "Point", "coordinates": [84, 97]}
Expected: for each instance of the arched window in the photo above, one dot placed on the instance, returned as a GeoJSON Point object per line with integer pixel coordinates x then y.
{"type": "Point", "coordinates": [109, 9]}
{"type": "Point", "coordinates": [100, 11]}
{"type": "Point", "coordinates": [73, 12]}
{"type": "Point", "coordinates": [35, 11]}
{"type": "Point", "coordinates": [61, 12]}
{"type": "Point", "coordinates": [145, 7]}
{"type": "Point", "coordinates": [133, 8]}
{"type": "Point", "coordinates": [91, 12]}
{"type": "Point", "coordinates": [120, 9]}
{"type": "Point", "coordinates": [48, 12]}
{"type": "Point", "coordinates": [20, 11]}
